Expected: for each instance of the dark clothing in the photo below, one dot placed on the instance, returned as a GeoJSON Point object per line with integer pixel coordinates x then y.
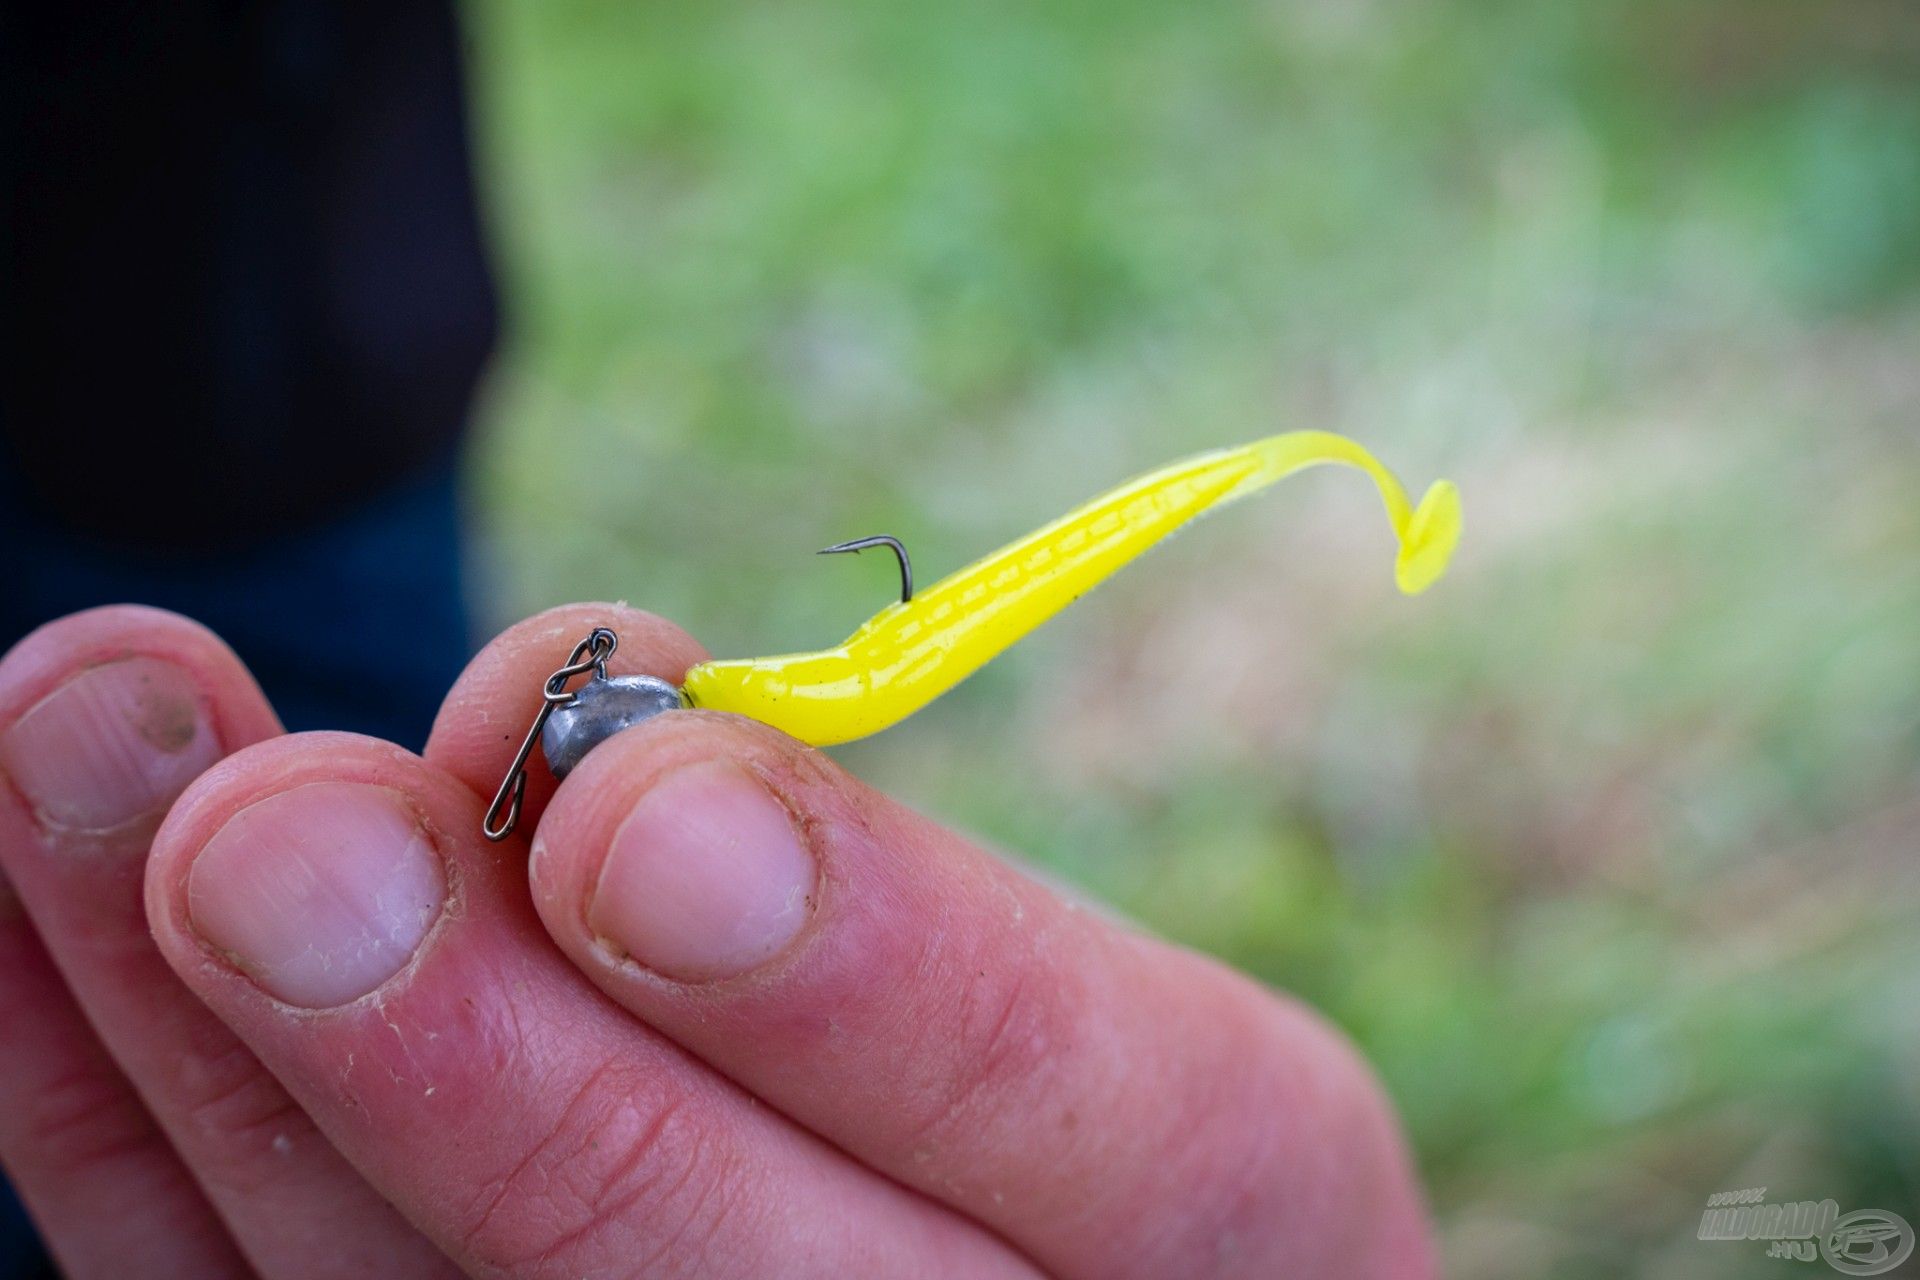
{"type": "Point", "coordinates": [242, 285]}
{"type": "Point", "coordinates": [359, 623]}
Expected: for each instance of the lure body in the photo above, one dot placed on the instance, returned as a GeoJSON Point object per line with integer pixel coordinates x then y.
{"type": "Point", "coordinates": [910, 653]}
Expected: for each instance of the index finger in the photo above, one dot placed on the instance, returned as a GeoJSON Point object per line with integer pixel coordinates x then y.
{"type": "Point", "coordinates": [487, 712]}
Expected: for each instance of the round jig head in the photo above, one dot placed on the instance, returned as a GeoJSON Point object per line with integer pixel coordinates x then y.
{"type": "Point", "coordinates": [602, 707]}
{"type": "Point", "coordinates": [571, 722]}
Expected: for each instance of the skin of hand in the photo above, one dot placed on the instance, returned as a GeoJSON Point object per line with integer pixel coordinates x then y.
{"type": "Point", "coordinates": [273, 1007]}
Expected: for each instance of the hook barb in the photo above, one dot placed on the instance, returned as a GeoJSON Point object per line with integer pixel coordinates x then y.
{"type": "Point", "coordinates": [880, 540]}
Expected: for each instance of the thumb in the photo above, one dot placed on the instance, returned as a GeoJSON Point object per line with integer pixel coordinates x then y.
{"type": "Point", "coordinates": [1112, 1105]}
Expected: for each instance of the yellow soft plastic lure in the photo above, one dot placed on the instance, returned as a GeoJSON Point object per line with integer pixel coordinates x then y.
{"type": "Point", "coordinates": [910, 653]}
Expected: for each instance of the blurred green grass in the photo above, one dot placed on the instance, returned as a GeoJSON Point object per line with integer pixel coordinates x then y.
{"type": "Point", "coordinates": [1605, 849]}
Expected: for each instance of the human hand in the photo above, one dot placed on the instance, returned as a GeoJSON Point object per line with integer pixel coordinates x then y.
{"type": "Point", "coordinates": [727, 1013]}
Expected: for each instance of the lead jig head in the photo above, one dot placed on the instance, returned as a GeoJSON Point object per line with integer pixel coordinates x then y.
{"type": "Point", "coordinates": [571, 723]}
{"type": "Point", "coordinates": [602, 707]}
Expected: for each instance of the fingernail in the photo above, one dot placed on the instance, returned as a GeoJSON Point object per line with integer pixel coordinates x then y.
{"type": "Point", "coordinates": [706, 878]}
{"type": "Point", "coordinates": [320, 894]}
{"type": "Point", "coordinates": [115, 743]}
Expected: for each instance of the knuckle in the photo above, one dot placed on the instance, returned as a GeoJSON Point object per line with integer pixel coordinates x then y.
{"type": "Point", "coordinates": [229, 1100]}
{"type": "Point", "coordinates": [231, 1119]}
{"type": "Point", "coordinates": [81, 1121]}
{"type": "Point", "coordinates": [616, 1183]}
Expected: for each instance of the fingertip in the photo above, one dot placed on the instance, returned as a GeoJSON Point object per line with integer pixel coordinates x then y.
{"type": "Point", "coordinates": [106, 715]}
{"type": "Point", "coordinates": [486, 713]}
{"type": "Point", "coordinates": [279, 764]}
{"type": "Point", "coordinates": [310, 865]}
{"type": "Point", "coordinates": [53, 653]}
{"type": "Point", "coordinates": [601, 796]}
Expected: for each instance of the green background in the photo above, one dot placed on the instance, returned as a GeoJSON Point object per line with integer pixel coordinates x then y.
{"type": "Point", "coordinates": [1605, 849]}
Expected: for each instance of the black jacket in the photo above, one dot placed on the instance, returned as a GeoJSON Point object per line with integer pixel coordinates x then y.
{"type": "Point", "coordinates": [241, 275]}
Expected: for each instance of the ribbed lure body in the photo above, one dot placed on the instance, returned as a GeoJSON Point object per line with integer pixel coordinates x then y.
{"type": "Point", "coordinates": [908, 654]}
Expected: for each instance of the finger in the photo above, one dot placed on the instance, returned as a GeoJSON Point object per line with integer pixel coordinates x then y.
{"type": "Point", "coordinates": [332, 898]}
{"type": "Point", "coordinates": [104, 718]}
{"type": "Point", "coordinates": [515, 666]}
{"type": "Point", "coordinates": [485, 716]}
{"type": "Point", "coordinates": [1114, 1106]}
{"type": "Point", "coordinates": [105, 1189]}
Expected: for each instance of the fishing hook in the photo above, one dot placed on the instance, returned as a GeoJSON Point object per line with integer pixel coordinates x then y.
{"type": "Point", "coordinates": [880, 540]}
